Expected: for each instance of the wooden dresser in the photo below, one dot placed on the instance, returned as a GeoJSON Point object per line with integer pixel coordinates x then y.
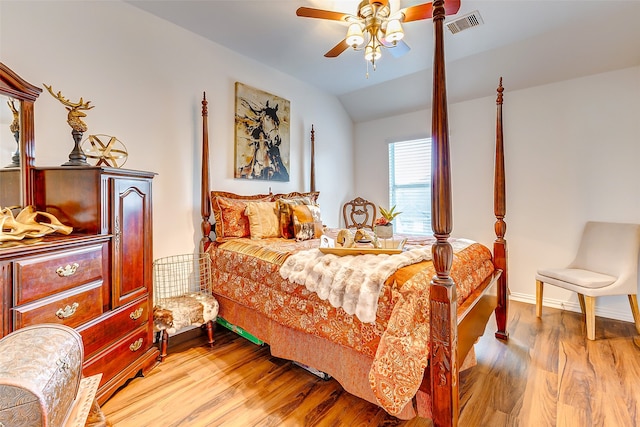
{"type": "Point", "coordinates": [98, 280]}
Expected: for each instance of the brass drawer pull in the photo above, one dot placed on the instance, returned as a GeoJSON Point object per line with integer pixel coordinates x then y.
{"type": "Point", "coordinates": [68, 311]}
{"type": "Point", "coordinates": [135, 315]}
{"type": "Point", "coordinates": [67, 271]}
{"type": "Point", "coordinates": [136, 345]}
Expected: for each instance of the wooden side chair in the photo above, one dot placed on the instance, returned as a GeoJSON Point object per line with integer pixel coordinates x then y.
{"type": "Point", "coordinates": [606, 264]}
{"type": "Point", "coordinates": [359, 213]}
{"type": "Point", "coordinates": [182, 297]}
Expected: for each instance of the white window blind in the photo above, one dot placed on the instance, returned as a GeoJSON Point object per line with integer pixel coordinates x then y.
{"type": "Point", "coordinates": [410, 185]}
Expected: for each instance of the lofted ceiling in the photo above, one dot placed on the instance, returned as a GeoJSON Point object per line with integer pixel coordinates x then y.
{"type": "Point", "coordinates": [527, 42]}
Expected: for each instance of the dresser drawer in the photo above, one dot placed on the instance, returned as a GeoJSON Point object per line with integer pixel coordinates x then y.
{"type": "Point", "coordinates": [112, 326]}
{"type": "Point", "coordinates": [118, 356]}
{"type": "Point", "coordinates": [38, 277]}
{"type": "Point", "coordinates": [70, 308]}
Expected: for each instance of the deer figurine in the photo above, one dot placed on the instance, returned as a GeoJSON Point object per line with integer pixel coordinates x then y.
{"type": "Point", "coordinates": [14, 127]}
{"type": "Point", "coordinates": [75, 109]}
{"type": "Point", "coordinates": [15, 124]}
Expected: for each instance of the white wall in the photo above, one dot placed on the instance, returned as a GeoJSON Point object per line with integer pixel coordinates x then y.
{"type": "Point", "coordinates": [572, 148]}
{"type": "Point", "coordinates": [572, 153]}
{"type": "Point", "coordinates": [146, 77]}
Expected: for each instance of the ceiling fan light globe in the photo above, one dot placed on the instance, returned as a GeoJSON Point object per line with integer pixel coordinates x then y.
{"type": "Point", "coordinates": [355, 41]}
{"type": "Point", "coordinates": [371, 54]}
{"type": "Point", "coordinates": [354, 35]}
{"type": "Point", "coordinates": [394, 31]}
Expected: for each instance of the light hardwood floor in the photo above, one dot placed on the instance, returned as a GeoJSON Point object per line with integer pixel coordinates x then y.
{"type": "Point", "coordinates": [548, 374]}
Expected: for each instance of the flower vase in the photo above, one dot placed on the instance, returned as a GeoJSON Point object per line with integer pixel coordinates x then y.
{"type": "Point", "coordinates": [384, 231]}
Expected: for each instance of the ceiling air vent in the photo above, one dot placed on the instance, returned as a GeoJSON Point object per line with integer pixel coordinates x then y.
{"type": "Point", "coordinates": [473, 19]}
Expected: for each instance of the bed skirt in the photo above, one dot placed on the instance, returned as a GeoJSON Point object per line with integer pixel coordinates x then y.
{"type": "Point", "coordinates": [349, 367]}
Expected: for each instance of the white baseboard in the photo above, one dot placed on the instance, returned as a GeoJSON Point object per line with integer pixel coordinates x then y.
{"type": "Point", "coordinates": [571, 306]}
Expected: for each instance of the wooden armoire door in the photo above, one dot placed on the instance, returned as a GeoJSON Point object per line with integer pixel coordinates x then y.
{"type": "Point", "coordinates": [132, 239]}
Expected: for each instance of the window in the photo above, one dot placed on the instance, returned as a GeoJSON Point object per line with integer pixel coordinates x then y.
{"type": "Point", "coordinates": [410, 185]}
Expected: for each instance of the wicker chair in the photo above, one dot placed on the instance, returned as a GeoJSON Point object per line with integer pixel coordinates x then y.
{"type": "Point", "coordinates": [182, 297]}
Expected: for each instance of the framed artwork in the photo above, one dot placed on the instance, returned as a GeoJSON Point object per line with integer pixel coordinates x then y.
{"type": "Point", "coordinates": [261, 135]}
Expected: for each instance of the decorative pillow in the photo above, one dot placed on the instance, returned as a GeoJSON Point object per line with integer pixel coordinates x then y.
{"type": "Point", "coordinates": [313, 195]}
{"type": "Point", "coordinates": [228, 195]}
{"type": "Point", "coordinates": [228, 213]}
{"type": "Point", "coordinates": [307, 223]}
{"type": "Point", "coordinates": [263, 219]}
{"type": "Point", "coordinates": [232, 220]}
{"type": "Point", "coordinates": [285, 212]}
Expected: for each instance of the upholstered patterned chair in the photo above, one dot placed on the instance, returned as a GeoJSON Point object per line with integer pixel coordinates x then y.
{"type": "Point", "coordinates": [359, 213]}
{"type": "Point", "coordinates": [606, 264]}
{"type": "Point", "coordinates": [182, 296]}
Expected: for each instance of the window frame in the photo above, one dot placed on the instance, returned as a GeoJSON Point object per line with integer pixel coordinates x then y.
{"type": "Point", "coordinates": [416, 209]}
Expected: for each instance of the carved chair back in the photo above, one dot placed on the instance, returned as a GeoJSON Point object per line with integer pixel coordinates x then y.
{"type": "Point", "coordinates": [359, 213]}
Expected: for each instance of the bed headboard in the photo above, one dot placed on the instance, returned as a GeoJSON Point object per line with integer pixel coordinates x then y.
{"type": "Point", "coordinates": [205, 189]}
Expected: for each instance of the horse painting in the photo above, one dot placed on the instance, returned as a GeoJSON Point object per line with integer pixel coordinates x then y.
{"type": "Point", "coordinates": [262, 135]}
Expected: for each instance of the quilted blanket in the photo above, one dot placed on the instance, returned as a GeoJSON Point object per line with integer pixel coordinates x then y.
{"type": "Point", "coordinates": [247, 272]}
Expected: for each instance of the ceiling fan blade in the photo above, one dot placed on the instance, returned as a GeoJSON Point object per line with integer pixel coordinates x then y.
{"type": "Point", "coordinates": [425, 10]}
{"type": "Point", "coordinates": [309, 12]}
{"type": "Point", "coordinates": [337, 49]}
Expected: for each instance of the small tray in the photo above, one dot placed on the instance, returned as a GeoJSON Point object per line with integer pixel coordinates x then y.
{"type": "Point", "coordinates": [359, 251]}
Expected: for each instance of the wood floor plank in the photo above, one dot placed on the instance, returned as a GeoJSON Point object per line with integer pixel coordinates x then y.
{"type": "Point", "coordinates": [547, 374]}
{"type": "Point", "coordinates": [628, 370]}
{"type": "Point", "coordinates": [575, 378]}
{"type": "Point", "coordinates": [609, 385]}
{"type": "Point", "coordinates": [572, 416]}
{"type": "Point", "coordinates": [539, 402]}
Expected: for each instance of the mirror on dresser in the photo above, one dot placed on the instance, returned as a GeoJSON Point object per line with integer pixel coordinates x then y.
{"type": "Point", "coordinates": [17, 142]}
{"type": "Point", "coordinates": [9, 152]}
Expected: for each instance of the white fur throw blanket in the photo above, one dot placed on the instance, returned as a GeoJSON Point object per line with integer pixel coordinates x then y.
{"type": "Point", "coordinates": [352, 282]}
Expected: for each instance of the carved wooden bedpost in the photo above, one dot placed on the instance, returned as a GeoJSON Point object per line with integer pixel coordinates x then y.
{"type": "Point", "coordinates": [444, 328]}
{"type": "Point", "coordinates": [313, 160]}
{"type": "Point", "coordinates": [500, 209]}
{"type": "Point", "coordinates": [205, 204]}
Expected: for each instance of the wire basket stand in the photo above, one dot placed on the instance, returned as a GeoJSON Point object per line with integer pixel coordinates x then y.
{"type": "Point", "coordinates": [179, 275]}
{"type": "Point", "coordinates": [182, 296]}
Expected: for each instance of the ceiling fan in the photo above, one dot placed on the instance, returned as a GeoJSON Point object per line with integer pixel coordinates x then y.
{"type": "Point", "coordinates": [374, 27]}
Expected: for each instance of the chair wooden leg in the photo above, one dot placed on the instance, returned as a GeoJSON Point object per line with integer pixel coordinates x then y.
{"type": "Point", "coordinates": [539, 289]}
{"type": "Point", "coordinates": [582, 306]}
{"type": "Point", "coordinates": [633, 302]}
{"type": "Point", "coordinates": [590, 308]}
{"type": "Point", "coordinates": [164, 342]}
{"type": "Point", "coordinates": [209, 327]}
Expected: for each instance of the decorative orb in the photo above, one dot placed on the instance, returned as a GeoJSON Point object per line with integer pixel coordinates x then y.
{"type": "Point", "coordinates": [105, 150]}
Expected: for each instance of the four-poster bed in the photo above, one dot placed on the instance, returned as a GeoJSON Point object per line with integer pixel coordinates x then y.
{"type": "Point", "coordinates": [359, 354]}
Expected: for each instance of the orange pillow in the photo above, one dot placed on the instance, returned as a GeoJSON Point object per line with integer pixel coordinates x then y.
{"type": "Point", "coordinates": [307, 222]}
{"type": "Point", "coordinates": [233, 221]}
{"type": "Point", "coordinates": [263, 220]}
{"type": "Point", "coordinates": [229, 214]}
{"type": "Point", "coordinates": [285, 212]}
{"type": "Point", "coordinates": [313, 195]}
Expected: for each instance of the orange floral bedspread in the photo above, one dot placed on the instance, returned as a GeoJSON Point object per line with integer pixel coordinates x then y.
{"type": "Point", "coordinates": [398, 342]}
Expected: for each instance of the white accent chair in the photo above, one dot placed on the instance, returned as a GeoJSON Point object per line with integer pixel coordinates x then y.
{"type": "Point", "coordinates": [606, 264]}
